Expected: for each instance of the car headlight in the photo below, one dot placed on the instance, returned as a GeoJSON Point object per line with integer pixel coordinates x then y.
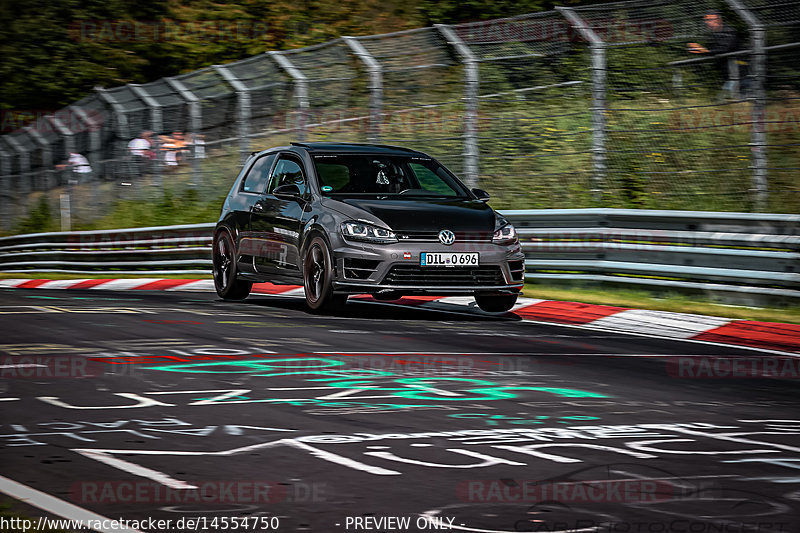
{"type": "Point", "coordinates": [505, 235]}
{"type": "Point", "coordinates": [359, 231]}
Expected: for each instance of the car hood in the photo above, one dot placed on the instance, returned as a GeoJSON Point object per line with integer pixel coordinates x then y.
{"type": "Point", "coordinates": [420, 215]}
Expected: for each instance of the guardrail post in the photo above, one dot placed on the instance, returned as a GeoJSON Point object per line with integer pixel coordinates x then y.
{"type": "Point", "coordinates": [758, 97]}
{"type": "Point", "coordinates": [243, 117]}
{"type": "Point", "coordinates": [195, 124]}
{"type": "Point", "coordinates": [156, 124]}
{"type": "Point", "coordinates": [598, 50]}
{"type": "Point", "coordinates": [375, 87]}
{"type": "Point", "coordinates": [471, 84]}
{"type": "Point", "coordinates": [300, 91]}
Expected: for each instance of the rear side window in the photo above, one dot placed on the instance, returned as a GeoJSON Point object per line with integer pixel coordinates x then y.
{"type": "Point", "coordinates": [256, 179]}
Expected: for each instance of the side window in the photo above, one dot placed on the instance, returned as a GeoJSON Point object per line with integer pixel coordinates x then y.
{"type": "Point", "coordinates": [256, 179]}
{"type": "Point", "coordinates": [288, 171]}
{"type": "Point", "coordinates": [429, 180]}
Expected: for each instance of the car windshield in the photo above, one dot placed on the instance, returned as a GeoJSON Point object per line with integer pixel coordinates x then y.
{"type": "Point", "coordinates": [385, 176]}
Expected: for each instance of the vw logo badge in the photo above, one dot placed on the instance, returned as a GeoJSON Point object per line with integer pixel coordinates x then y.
{"type": "Point", "coordinates": [447, 237]}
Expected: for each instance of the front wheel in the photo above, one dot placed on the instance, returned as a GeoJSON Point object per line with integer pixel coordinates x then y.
{"type": "Point", "coordinates": [224, 261]}
{"type": "Point", "coordinates": [496, 303]}
{"type": "Point", "coordinates": [318, 278]}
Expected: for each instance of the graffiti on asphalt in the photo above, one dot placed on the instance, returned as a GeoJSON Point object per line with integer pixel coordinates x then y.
{"type": "Point", "coordinates": [396, 453]}
{"type": "Point", "coordinates": [328, 380]}
{"type": "Point", "coordinates": [496, 420]}
{"type": "Point", "coordinates": [42, 433]}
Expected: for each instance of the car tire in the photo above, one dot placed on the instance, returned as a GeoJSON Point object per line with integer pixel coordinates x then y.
{"type": "Point", "coordinates": [496, 303]}
{"type": "Point", "coordinates": [224, 269]}
{"type": "Point", "coordinates": [318, 278]}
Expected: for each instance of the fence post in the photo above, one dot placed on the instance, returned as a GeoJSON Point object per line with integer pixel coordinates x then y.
{"type": "Point", "coordinates": [243, 99]}
{"type": "Point", "coordinates": [24, 164]}
{"type": "Point", "coordinates": [95, 141]}
{"type": "Point", "coordinates": [123, 129]}
{"type": "Point", "coordinates": [6, 193]}
{"type": "Point", "coordinates": [195, 123]}
{"type": "Point", "coordinates": [47, 157]}
{"type": "Point", "coordinates": [300, 91]}
{"type": "Point", "coordinates": [156, 124]}
{"type": "Point", "coordinates": [375, 87]}
{"type": "Point", "coordinates": [597, 48]}
{"type": "Point", "coordinates": [758, 97]}
{"type": "Point", "coordinates": [471, 84]}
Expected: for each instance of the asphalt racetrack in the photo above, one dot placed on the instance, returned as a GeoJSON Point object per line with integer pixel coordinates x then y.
{"type": "Point", "coordinates": [167, 406]}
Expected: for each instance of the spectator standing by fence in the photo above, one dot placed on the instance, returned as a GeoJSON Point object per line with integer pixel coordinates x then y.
{"type": "Point", "coordinates": [723, 40]}
{"type": "Point", "coordinates": [78, 165]}
{"type": "Point", "coordinates": [140, 151]}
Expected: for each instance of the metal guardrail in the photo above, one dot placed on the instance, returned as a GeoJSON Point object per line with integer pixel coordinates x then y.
{"type": "Point", "coordinates": [740, 253]}
{"type": "Point", "coordinates": [744, 253]}
{"type": "Point", "coordinates": [184, 249]}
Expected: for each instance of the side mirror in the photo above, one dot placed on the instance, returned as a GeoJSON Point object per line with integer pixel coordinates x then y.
{"type": "Point", "coordinates": [288, 191]}
{"type": "Point", "coordinates": [482, 195]}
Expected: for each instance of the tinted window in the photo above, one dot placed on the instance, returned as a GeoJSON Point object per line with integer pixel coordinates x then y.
{"type": "Point", "coordinates": [256, 180]}
{"type": "Point", "coordinates": [429, 180]}
{"type": "Point", "coordinates": [287, 171]}
{"type": "Point", "coordinates": [378, 174]}
{"type": "Point", "coordinates": [333, 175]}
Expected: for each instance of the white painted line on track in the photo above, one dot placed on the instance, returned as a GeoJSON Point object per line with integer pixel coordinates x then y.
{"type": "Point", "coordinates": [58, 507]}
{"type": "Point", "coordinates": [137, 470]}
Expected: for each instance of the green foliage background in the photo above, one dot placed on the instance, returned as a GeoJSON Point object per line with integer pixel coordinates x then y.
{"type": "Point", "coordinates": [45, 64]}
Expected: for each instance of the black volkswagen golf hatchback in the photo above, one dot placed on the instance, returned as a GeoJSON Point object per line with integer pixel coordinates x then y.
{"type": "Point", "coordinates": [345, 219]}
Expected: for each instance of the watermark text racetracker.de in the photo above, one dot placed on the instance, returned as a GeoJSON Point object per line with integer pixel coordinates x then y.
{"type": "Point", "coordinates": [57, 367]}
{"type": "Point", "coordinates": [734, 367]}
{"type": "Point", "coordinates": [517, 491]}
{"type": "Point", "coordinates": [679, 525]}
{"type": "Point", "coordinates": [76, 120]}
{"type": "Point", "coordinates": [167, 30]}
{"type": "Point", "coordinates": [242, 491]}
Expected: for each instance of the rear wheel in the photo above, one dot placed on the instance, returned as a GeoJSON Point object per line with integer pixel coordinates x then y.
{"type": "Point", "coordinates": [318, 278]}
{"type": "Point", "coordinates": [224, 268]}
{"type": "Point", "coordinates": [496, 303]}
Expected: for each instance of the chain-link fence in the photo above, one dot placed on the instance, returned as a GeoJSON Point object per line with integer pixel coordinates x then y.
{"type": "Point", "coordinates": [601, 105]}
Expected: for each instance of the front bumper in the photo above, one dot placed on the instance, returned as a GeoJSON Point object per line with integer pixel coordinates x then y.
{"type": "Point", "coordinates": [374, 268]}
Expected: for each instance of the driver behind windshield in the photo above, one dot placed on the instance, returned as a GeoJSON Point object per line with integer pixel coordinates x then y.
{"type": "Point", "coordinates": [364, 174]}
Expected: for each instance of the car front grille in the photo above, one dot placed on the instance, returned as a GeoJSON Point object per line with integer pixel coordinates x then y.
{"type": "Point", "coordinates": [406, 275]}
{"type": "Point", "coordinates": [433, 236]}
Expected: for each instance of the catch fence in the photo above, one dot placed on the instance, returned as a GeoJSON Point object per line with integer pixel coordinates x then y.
{"type": "Point", "coordinates": [593, 106]}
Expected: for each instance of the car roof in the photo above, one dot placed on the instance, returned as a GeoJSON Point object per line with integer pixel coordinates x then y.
{"type": "Point", "coordinates": [358, 148]}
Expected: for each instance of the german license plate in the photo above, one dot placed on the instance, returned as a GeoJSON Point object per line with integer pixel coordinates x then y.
{"type": "Point", "coordinates": [448, 259]}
